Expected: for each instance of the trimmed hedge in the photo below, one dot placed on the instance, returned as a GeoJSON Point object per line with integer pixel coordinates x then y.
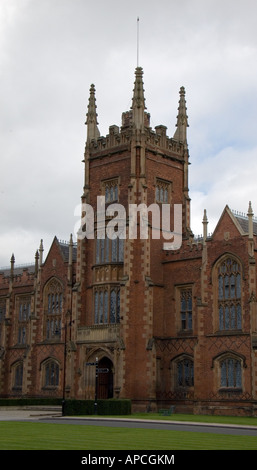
{"type": "Point", "coordinates": [30, 401]}
{"type": "Point", "coordinates": [104, 407]}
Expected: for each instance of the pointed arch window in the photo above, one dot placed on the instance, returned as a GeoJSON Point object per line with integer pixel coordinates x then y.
{"type": "Point", "coordinates": [51, 373]}
{"type": "Point", "coordinates": [231, 373]}
{"type": "Point", "coordinates": [185, 373]}
{"type": "Point", "coordinates": [17, 376]}
{"type": "Point", "coordinates": [229, 295]}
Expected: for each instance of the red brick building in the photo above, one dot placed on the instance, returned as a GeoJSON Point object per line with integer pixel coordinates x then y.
{"type": "Point", "coordinates": [168, 327]}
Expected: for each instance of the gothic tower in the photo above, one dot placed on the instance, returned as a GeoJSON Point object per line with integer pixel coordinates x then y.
{"type": "Point", "coordinates": [119, 291]}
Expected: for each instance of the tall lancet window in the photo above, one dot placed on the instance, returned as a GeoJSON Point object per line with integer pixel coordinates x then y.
{"type": "Point", "coordinates": [53, 306]}
{"type": "Point", "coordinates": [23, 306]}
{"type": "Point", "coordinates": [229, 295]}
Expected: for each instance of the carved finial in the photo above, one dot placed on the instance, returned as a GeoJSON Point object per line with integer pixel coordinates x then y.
{"type": "Point", "coordinates": [205, 225]}
{"type": "Point", "coordinates": [36, 262]}
{"type": "Point", "coordinates": [12, 265]}
{"type": "Point", "coordinates": [41, 249]}
{"type": "Point", "coordinates": [182, 119]}
{"type": "Point", "coordinates": [138, 101]}
{"type": "Point", "coordinates": [70, 249]}
{"type": "Point", "coordinates": [250, 220]}
{"type": "Point", "coordinates": [91, 122]}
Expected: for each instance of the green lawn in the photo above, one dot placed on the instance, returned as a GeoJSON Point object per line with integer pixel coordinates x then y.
{"type": "Point", "coordinates": [44, 436]}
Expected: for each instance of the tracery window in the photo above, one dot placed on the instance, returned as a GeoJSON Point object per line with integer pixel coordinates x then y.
{"type": "Point", "coordinates": [186, 309]}
{"type": "Point", "coordinates": [185, 372]}
{"type": "Point", "coordinates": [53, 305]}
{"type": "Point", "coordinates": [111, 190]}
{"type": "Point", "coordinates": [229, 295]}
{"type": "Point", "coordinates": [231, 373]}
{"type": "Point", "coordinates": [24, 307]}
{"type": "Point", "coordinates": [162, 190]}
{"type": "Point", "coordinates": [107, 305]}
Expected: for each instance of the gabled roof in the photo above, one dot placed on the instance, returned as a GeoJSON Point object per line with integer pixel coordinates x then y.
{"type": "Point", "coordinates": [234, 219]}
{"type": "Point", "coordinates": [65, 251]}
{"type": "Point", "coordinates": [243, 221]}
{"type": "Point", "coordinates": [240, 221]}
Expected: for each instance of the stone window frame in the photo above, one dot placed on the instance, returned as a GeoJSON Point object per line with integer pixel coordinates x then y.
{"type": "Point", "coordinates": [54, 382]}
{"type": "Point", "coordinates": [181, 359]}
{"type": "Point", "coordinates": [17, 372]}
{"type": "Point", "coordinates": [23, 313]}
{"type": "Point", "coordinates": [109, 251]}
{"type": "Point", "coordinates": [217, 365]}
{"type": "Point", "coordinates": [113, 185]}
{"type": "Point", "coordinates": [228, 302]}
{"type": "Point", "coordinates": [104, 314]}
{"type": "Point", "coordinates": [53, 300]}
{"type": "Point", "coordinates": [179, 326]}
{"type": "Point", "coordinates": [166, 187]}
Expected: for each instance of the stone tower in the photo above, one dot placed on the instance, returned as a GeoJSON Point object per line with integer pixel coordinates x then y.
{"type": "Point", "coordinates": [119, 282]}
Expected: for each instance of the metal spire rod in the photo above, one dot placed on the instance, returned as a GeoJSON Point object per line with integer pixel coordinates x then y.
{"type": "Point", "coordinates": [137, 41]}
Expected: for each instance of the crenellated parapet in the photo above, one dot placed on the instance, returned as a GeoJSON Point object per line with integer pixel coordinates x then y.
{"type": "Point", "coordinates": [121, 138]}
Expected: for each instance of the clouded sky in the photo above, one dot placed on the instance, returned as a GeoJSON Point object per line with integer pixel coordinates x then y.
{"type": "Point", "coordinates": [50, 53]}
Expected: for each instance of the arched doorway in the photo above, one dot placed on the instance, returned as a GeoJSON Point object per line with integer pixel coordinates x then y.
{"type": "Point", "coordinates": [105, 378]}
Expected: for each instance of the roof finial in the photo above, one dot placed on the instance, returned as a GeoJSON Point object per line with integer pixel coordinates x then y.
{"type": "Point", "coordinates": [250, 220]}
{"type": "Point", "coordinates": [70, 249]}
{"type": "Point", "coordinates": [205, 225]}
{"type": "Point", "coordinates": [92, 129]}
{"type": "Point", "coordinates": [12, 265]}
{"type": "Point", "coordinates": [138, 100]}
{"type": "Point", "coordinates": [41, 250]}
{"type": "Point", "coordinates": [182, 119]}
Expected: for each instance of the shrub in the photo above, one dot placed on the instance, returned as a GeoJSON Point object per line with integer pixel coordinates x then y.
{"type": "Point", "coordinates": [30, 401]}
{"type": "Point", "coordinates": [104, 407]}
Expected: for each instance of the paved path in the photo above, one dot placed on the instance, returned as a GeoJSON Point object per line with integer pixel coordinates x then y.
{"type": "Point", "coordinates": [18, 414]}
{"type": "Point", "coordinates": [54, 416]}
